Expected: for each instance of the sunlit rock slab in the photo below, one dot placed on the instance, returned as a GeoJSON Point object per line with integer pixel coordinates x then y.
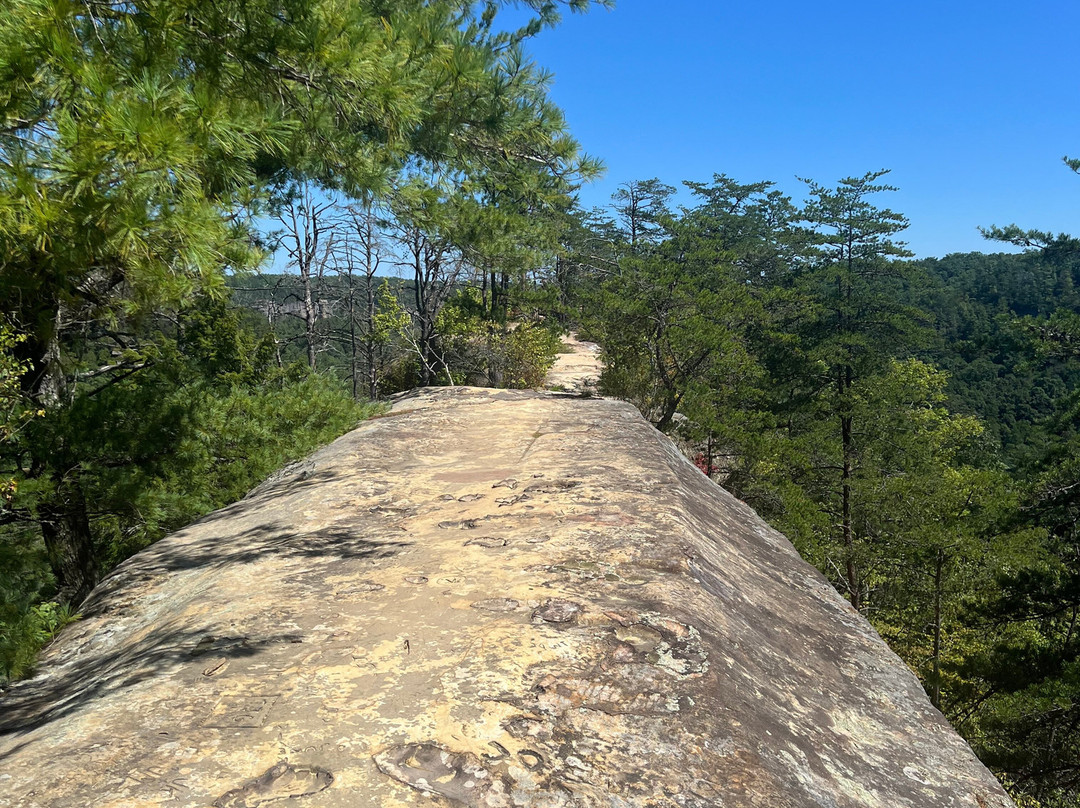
{"type": "Point", "coordinates": [483, 599]}
{"type": "Point", "coordinates": [578, 369]}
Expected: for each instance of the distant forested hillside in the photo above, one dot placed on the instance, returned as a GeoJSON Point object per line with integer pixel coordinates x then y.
{"type": "Point", "coordinates": [982, 308]}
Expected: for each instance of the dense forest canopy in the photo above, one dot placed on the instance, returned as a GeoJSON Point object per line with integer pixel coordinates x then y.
{"type": "Point", "coordinates": [910, 424]}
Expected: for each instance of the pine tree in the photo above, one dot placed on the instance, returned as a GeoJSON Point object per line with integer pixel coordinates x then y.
{"type": "Point", "coordinates": [855, 325]}
{"type": "Point", "coordinates": [641, 206]}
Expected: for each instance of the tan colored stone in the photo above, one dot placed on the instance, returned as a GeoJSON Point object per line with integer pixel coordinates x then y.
{"type": "Point", "coordinates": [342, 638]}
{"type": "Point", "coordinates": [578, 371]}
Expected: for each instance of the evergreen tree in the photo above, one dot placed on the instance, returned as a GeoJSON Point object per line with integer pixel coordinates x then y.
{"type": "Point", "coordinates": [641, 206]}
{"type": "Point", "coordinates": [853, 318]}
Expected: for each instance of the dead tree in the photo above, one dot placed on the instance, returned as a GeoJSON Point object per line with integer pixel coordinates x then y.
{"type": "Point", "coordinates": [362, 258]}
{"type": "Point", "coordinates": [310, 239]}
{"type": "Point", "coordinates": [436, 268]}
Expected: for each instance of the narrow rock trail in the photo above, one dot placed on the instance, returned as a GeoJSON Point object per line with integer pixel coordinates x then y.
{"type": "Point", "coordinates": [487, 599]}
{"type": "Point", "coordinates": [578, 370]}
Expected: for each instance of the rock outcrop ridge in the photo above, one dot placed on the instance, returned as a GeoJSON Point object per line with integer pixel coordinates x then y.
{"type": "Point", "coordinates": [486, 599]}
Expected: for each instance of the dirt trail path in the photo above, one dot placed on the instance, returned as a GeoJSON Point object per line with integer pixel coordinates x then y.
{"type": "Point", "coordinates": [578, 371]}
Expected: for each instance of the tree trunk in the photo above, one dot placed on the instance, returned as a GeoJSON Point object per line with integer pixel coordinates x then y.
{"type": "Point", "coordinates": [369, 343]}
{"type": "Point", "coordinates": [69, 542]}
{"type": "Point", "coordinates": [65, 526]}
{"type": "Point", "coordinates": [310, 316]}
{"type": "Point", "coordinates": [44, 383]}
{"type": "Point", "coordinates": [935, 694]}
{"type": "Point", "coordinates": [667, 414]}
{"type": "Point", "coordinates": [424, 338]}
{"type": "Point", "coordinates": [496, 344]}
{"type": "Point", "coordinates": [271, 310]}
{"type": "Point", "coordinates": [353, 357]}
{"type": "Point", "coordinates": [428, 357]}
{"type": "Point", "coordinates": [562, 284]}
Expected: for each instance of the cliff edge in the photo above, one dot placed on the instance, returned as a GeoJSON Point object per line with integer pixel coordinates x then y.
{"type": "Point", "coordinates": [489, 598]}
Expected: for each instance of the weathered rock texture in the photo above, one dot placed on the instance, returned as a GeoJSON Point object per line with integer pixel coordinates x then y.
{"type": "Point", "coordinates": [578, 370]}
{"type": "Point", "coordinates": [491, 599]}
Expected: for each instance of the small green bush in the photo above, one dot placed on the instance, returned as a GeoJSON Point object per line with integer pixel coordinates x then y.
{"type": "Point", "coordinates": [23, 638]}
{"type": "Point", "coordinates": [529, 350]}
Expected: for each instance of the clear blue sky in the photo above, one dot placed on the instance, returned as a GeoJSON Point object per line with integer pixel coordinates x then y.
{"type": "Point", "coordinates": [971, 105]}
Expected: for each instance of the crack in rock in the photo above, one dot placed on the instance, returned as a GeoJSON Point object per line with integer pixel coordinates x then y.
{"type": "Point", "coordinates": [496, 605]}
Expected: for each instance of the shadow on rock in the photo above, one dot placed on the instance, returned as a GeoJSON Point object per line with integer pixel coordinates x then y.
{"type": "Point", "coordinates": [100, 664]}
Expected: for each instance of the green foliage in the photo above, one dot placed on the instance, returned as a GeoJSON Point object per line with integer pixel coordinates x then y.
{"type": "Point", "coordinates": [161, 454]}
{"type": "Point", "coordinates": [212, 336]}
{"type": "Point", "coordinates": [13, 413]}
{"type": "Point", "coordinates": [642, 210]}
{"type": "Point", "coordinates": [665, 334]}
{"type": "Point", "coordinates": [676, 318]}
{"type": "Point", "coordinates": [529, 350]}
{"type": "Point", "coordinates": [24, 581]}
{"type": "Point", "coordinates": [141, 144]}
{"type": "Point", "coordinates": [485, 352]}
{"type": "Point", "coordinates": [391, 320]}
{"type": "Point", "coordinates": [24, 634]}
{"type": "Point", "coordinates": [238, 438]}
{"type": "Point", "coordinates": [990, 314]}
{"type": "Point", "coordinates": [205, 420]}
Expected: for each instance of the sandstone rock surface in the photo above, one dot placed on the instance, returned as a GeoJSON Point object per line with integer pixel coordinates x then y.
{"type": "Point", "coordinates": [577, 370]}
{"type": "Point", "coordinates": [484, 599]}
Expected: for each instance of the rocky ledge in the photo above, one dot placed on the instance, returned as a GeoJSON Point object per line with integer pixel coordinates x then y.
{"type": "Point", "coordinates": [486, 599]}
